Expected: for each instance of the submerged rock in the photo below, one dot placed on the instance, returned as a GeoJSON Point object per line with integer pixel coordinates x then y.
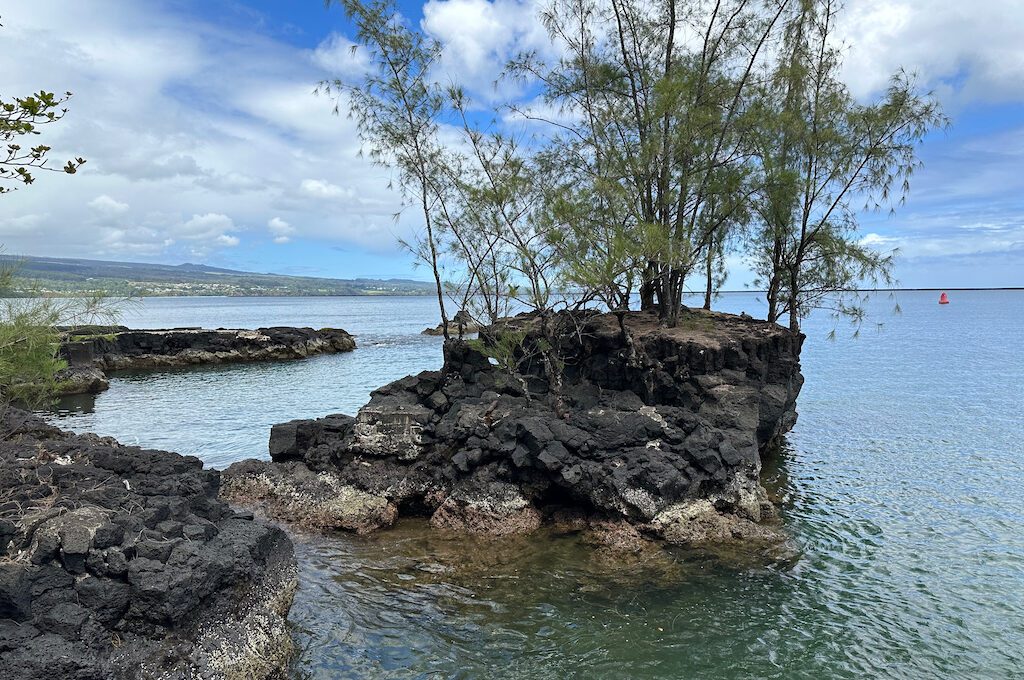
{"type": "Point", "coordinates": [659, 428]}
{"type": "Point", "coordinates": [91, 351]}
{"type": "Point", "coordinates": [120, 562]}
{"type": "Point", "coordinates": [318, 500]}
{"type": "Point", "coordinates": [494, 508]}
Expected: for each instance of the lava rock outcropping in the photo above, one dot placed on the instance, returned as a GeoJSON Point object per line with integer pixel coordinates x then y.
{"type": "Point", "coordinates": [93, 350]}
{"type": "Point", "coordinates": [119, 562]}
{"type": "Point", "coordinates": [654, 429]}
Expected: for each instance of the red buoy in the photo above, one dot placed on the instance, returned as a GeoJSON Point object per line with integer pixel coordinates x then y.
{"type": "Point", "coordinates": [943, 299]}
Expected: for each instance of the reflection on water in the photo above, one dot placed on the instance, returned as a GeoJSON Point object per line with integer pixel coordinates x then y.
{"type": "Point", "coordinates": [901, 488]}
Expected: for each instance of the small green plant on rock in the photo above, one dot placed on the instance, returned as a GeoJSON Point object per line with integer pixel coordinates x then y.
{"type": "Point", "coordinates": [31, 337]}
{"type": "Point", "coordinates": [507, 348]}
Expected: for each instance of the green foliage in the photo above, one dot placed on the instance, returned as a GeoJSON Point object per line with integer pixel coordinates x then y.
{"type": "Point", "coordinates": [672, 133]}
{"type": "Point", "coordinates": [825, 158]}
{"type": "Point", "coordinates": [661, 94]}
{"type": "Point", "coordinates": [508, 348]}
{"type": "Point", "coordinates": [29, 346]}
{"type": "Point", "coordinates": [30, 338]}
{"type": "Point", "coordinates": [23, 116]}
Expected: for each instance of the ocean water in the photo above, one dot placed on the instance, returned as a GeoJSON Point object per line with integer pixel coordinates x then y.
{"type": "Point", "coordinates": [902, 487]}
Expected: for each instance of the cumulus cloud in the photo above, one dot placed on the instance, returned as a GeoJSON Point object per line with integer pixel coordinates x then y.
{"type": "Point", "coordinates": [341, 57]}
{"type": "Point", "coordinates": [211, 228]}
{"type": "Point", "coordinates": [321, 188]}
{"type": "Point", "coordinates": [966, 51]}
{"type": "Point", "coordinates": [281, 230]}
{"type": "Point", "coordinates": [105, 205]}
{"type": "Point", "coordinates": [187, 121]}
{"type": "Point", "coordinates": [479, 38]}
{"type": "Point", "coordinates": [22, 224]}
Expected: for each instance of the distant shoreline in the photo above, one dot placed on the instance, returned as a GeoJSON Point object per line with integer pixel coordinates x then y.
{"type": "Point", "coordinates": [53, 293]}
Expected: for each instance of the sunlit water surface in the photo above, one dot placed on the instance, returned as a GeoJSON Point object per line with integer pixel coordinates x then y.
{"type": "Point", "coordinates": [903, 488]}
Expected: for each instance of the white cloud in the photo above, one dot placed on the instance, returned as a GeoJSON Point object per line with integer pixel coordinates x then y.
{"type": "Point", "coordinates": [479, 38]}
{"type": "Point", "coordinates": [22, 224]}
{"type": "Point", "coordinates": [105, 205]}
{"type": "Point", "coordinates": [321, 188]}
{"type": "Point", "coordinates": [966, 51]}
{"type": "Point", "coordinates": [341, 57]}
{"type": "Point", "coordinates": [211, 227]}
{"type": "Point", "coordinates": [877, 241]}
{"type": "Point", "coordinates": [188, 120]}
{"type": "Point", "coordinates": [281, 230]}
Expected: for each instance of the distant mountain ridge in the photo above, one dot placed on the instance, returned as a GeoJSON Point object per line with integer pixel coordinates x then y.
{"type": "Point", "coordinates": [55, 275]}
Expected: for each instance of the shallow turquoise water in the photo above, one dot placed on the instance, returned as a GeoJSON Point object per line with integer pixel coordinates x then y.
{"type": "Point", "coordinates": [903, 488]}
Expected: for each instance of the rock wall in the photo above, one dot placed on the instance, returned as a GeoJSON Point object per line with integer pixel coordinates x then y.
{"type": "Point", "coordinates": [119, 562]}
{"type": "Point", "coordinates": [92, 351]}
{"type": "Point", "coordinates": [661, 429]}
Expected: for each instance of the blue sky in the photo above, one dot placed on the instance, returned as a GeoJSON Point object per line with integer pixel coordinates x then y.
{"type": "Point", "coordinates": [206, 144]}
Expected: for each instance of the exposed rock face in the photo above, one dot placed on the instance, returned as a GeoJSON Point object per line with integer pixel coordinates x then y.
{"type": "Point", "coordinates": [82, 380]}
{"type": "Point", "coordinates": [468, 328]}
{"type": "Point", "coordinates": [119, 562]}
{"type": "Point", "coordinates": [315, 500]}
{"type": "Point", "coordinates": [661, 428]}
{"type": "Point", "coordinates": [90, 351]}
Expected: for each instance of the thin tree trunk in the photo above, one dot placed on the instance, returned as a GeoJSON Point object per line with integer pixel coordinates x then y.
{"type": "Point", "coordinates": [433, 257]}
{"type": "Point", "coordinates": [647, 289]}
{"type": "Point", "coordinates": [773, 297]}
{"type": "Point", "coordinates": [710, 274]}
{"type": "Point", "coordinates": [794, 308]}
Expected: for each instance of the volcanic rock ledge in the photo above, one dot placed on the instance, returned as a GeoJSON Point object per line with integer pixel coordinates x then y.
{"type": "Point", "coordinates": [92, 351]}
{"type": "Point", "coordinates": [119, 562]}
{"type": "Point", "coordinates": [658, 432]}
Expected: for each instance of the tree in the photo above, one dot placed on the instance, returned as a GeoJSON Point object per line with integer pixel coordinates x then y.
{"type": "Point", "coordinates": [22, 116]}
{"type": "Point", "coordinates": [397, 107]}
{"type": "Point", "coordinates": [672, 133]}
{"type": "Point", "coordinates": [657, 100]}
{"type": "Point", "coordinates": [479, 200]}
{"type": "Point", "coordinates": [825, 157]}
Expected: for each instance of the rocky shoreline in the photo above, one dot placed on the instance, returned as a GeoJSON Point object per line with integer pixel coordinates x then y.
{"type": "Point", "coordinates": [93, 351]}
{"type": "Point", "coordinates": [655, 433]}
{"type": "Point", "coordinates": [121, 562]}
